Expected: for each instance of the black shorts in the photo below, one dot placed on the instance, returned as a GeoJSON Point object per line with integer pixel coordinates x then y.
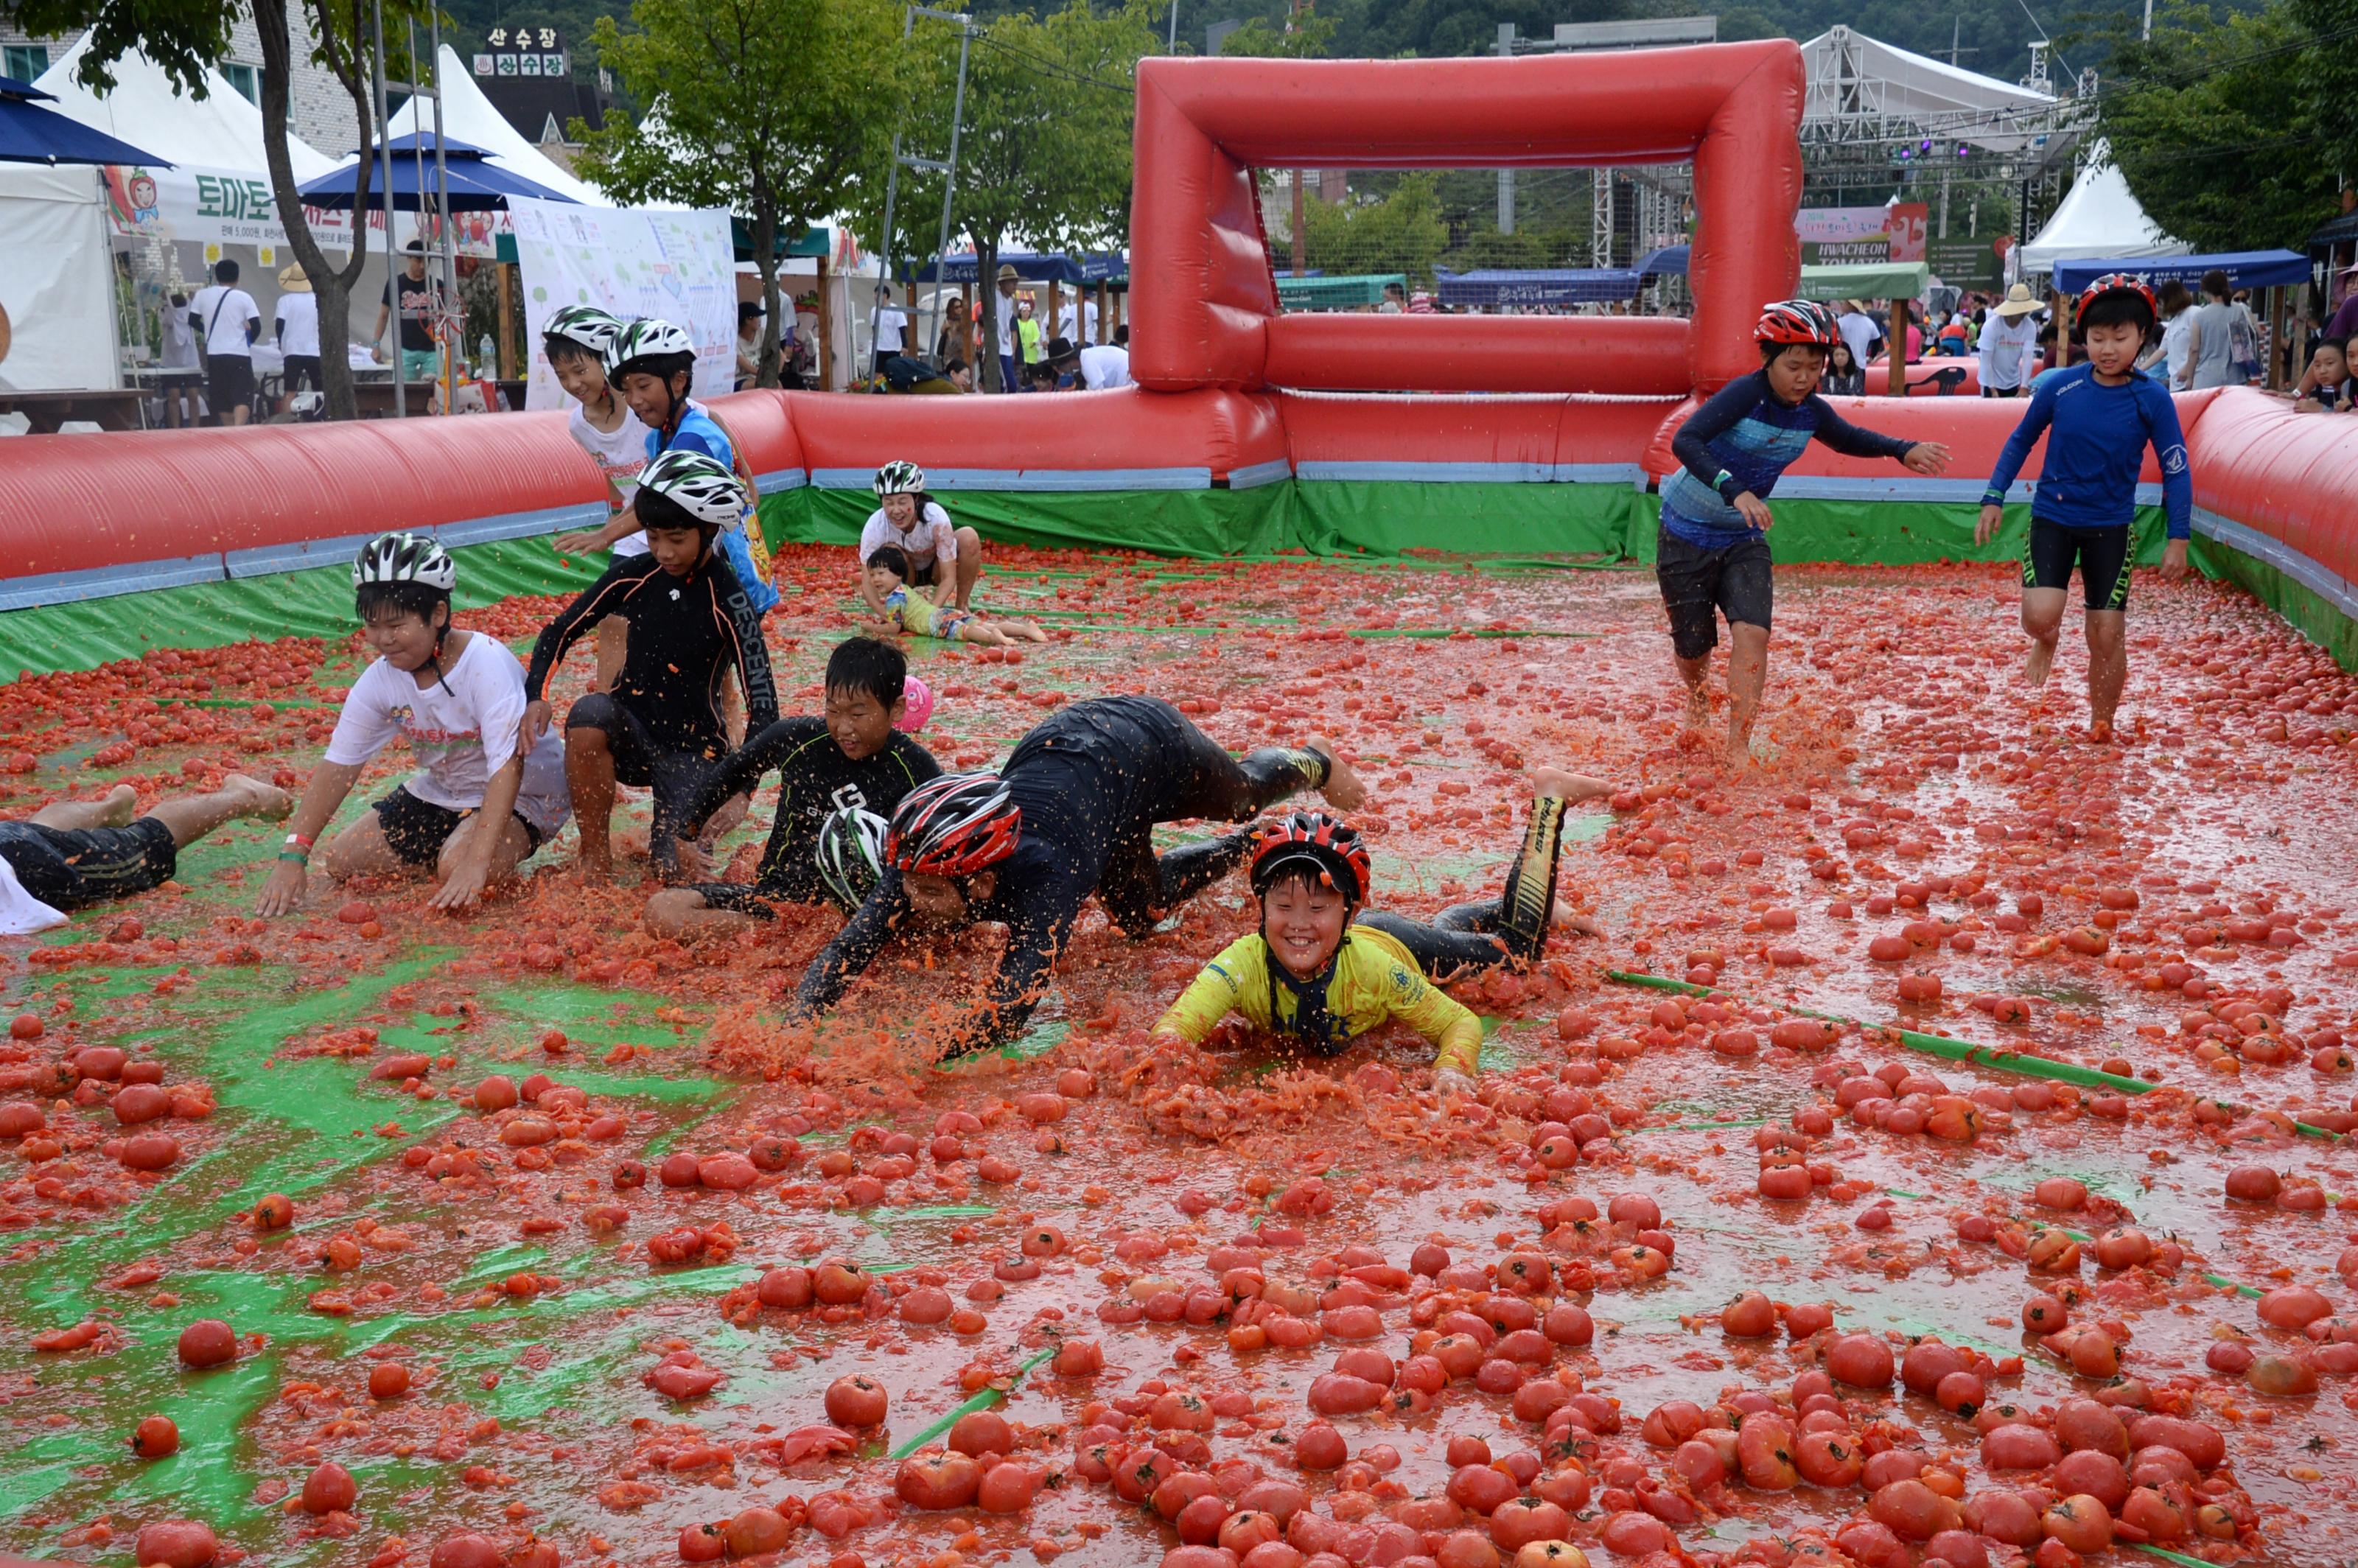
{"type": "Point", "coordinates": [302, 371]}
{"type": "Point", "coordinates": [2102, 554]}
{"type": "Point", "coordinates": [416, 830]}
{"type": "Point", "coordinates": [229, 382]}
{"type": "Point", "coordinates": [1698, 585]}
{"type": "Point", "coordinates": [69, 868]}
{"type": "Point", "coordinates": [673, 776]}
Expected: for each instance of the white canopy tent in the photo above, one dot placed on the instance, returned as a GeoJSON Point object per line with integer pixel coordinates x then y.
{"type": "Point", "coordinates": [220, 131]}
{"type": "Point", "coordinates": [2098, 217]}
{"type": "Point", "coordinates": [1860, 88]}
{"type": "Point", "coordinates": [469, 117]}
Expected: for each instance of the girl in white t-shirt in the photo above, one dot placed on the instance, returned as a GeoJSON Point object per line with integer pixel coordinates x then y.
{"type": "Point", "coordinates": [484, 800]}
{"type": "Point", "coordinates": [945, 559]}
{"type": "Point", "coordinates": [604, 427]}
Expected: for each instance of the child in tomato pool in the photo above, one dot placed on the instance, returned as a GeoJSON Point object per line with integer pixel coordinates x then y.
{"type": "Point", "coordinates": [1323, 969]}
{"type": "Point", "coordinates": [484, 801]}
{"type": "Point", "coordinates": [904, 610]}
{"type": "Point", "coordinates": [74, 854]}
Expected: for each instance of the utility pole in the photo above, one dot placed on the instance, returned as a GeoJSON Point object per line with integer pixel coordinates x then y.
{"type": "Point", "coordinates": [1507, 176]}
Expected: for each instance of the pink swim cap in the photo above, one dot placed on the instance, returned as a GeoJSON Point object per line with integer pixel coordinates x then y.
{"type": "Point", "coordinates": [918, 700]}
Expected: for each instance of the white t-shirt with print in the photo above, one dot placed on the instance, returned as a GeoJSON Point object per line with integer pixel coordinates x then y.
{"type": "Point", "coordinates": [220, 312]}
{"type": "Point", "coordinates": [299, 324]}
{"type": "Point", "coordinates": [21, 914]}
{"type": "Point", "coordinates": [620, 454]}
{"type": "Point", "coordinates": [934, 538]}
{"type": "Point", "coordinates": [462, 730]}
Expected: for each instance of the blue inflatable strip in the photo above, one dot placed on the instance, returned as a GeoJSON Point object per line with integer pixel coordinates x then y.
{"type": "Point", "coordinates": [105, 582]}
{"type": "Point", "coordinates": [2328, 585]}
{"type": "Point", "coordinates": [1427, 474]}
{"type": "Point", "coordinates": [1252, 476]}
{"type": "Point", "coordinates": [783, 479]}
{"type": "Point", "coordinates": [1072, 480]}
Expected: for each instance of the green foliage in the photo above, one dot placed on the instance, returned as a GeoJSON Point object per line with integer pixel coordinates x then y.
{"type": "Point", "coordinates": [1401, 232]}
{"type": "Point", "coordinates": [1310, 37]}
{"type": "Point", "coordinates": [2217, 124]}
{"type": "Point", "coordinates": [183, 37]}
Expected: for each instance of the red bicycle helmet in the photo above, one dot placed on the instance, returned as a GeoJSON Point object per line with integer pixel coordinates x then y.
{"type": "Point", "coordinates": [955, 825]}
{"type": "Point", "coordinates": [1798, 321]}
{"type": "Point", "coordinates": [2116, 283]}
{"type": "Point", "coordinates": [1318, 839]}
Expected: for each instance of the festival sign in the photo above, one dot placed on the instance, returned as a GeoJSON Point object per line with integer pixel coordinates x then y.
{"type": "Point", "coordinates": [211, 206]}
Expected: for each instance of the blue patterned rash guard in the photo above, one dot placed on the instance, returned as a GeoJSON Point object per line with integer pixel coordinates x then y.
{"type": "Point", "coordinates": [2096, 438]}
{"type": "Point", "coordinates": [1742, 439]}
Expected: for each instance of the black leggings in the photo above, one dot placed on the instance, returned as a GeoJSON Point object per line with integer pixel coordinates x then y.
{"type": "Point", "coordinates": [1510, 929]}
{"type": "Point", "coordinates": [672, 777]}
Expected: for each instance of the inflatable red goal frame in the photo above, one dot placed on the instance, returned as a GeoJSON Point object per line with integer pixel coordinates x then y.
{"type": "Point", "coordinates": [1205, 302]}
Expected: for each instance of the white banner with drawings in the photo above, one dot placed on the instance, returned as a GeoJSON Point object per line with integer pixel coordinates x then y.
{"type": "Point", "coordinates": [633, 262]}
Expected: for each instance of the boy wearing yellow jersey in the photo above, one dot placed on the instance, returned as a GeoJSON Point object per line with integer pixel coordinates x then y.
{"type": "Point", "coordinates": [1322, 970]}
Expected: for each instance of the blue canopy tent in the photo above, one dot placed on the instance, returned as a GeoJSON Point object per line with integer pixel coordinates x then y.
{"type": "Point", "coordinates": [1492, 287]}
{"type": "Point", "coordinates": [2244, 269]}
{"type": "Point", "coordinates": [30, 133]}
{"type": "Point", "coordinates": [1032, 266]}
{"type": "Point", "coordinates": [475, 183]}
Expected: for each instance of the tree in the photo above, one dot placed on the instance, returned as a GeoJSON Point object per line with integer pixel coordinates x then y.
{"type": "Point", "coordinates": [1402, 232]}
{"type": "Point", "coordinates": [2208, 122]}
{"type": "Point", "coordinates": [779, 110]}
{"type": "Point", "coordinates": [1304, 36]}
{"type": "Point", "coordinates": [184, 37]}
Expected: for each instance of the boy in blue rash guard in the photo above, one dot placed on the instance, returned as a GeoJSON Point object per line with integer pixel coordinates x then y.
{"type": "Point", "coordinates": [1713, 558]}
{"type": "Point", "coordinates": [2098, 419]}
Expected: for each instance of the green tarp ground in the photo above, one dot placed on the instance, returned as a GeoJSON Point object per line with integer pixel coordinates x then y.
{"type": "Point", "coordinates": [2315, 617]}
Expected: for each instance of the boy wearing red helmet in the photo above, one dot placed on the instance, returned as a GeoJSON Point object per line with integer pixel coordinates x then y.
{"type": "Point", "coordinates": [1072, 812]}
{"type": "Point", "coordinates": [1712, 558]}
{"type": "Point", "coordinates": [2098, 419]}
{"type": "Point", "coordinates": [1323, 969]}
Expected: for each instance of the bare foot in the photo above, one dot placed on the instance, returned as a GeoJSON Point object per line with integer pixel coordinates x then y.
{"type": "Point", "coordinates": [1342, 788]}
{"type": "Point", "coordinates": [259, 801]}
{"type": "Point", "coordinates": [1033, 634]}
{"type": "Point", "coordinates": [2100, 732]}
{"type": "Point", "coordinates": [1555, 783]}
{"type": "Point", "coordinates": [2036, 667]}
{"type": "Point", "coordinates": [596, 868]}
{"type": "Point", "coordinates": [1739, 752]}
{"type": "Point", "coordinates": [117, 806]}
{"type": "Point", "coordinates": [1698, 706]}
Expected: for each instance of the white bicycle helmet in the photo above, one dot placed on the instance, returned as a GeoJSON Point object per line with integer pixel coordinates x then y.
{"type": "Point", "coordinates": [701, 486]}
{"type": "Point", "coordinates": [900, 479]}
{"type": "Point", "coordinates": [391, 558]}
{"type": "Point", "coordinates": [653, 345]}
{"type": "Point", "coordinates": [587, 325]}
{"type": "Point", "coordinates": [850, 854]}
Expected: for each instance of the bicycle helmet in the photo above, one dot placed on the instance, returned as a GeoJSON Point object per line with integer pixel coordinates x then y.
{"type": "Point", "coordinates": [587, 325]}
{"type": "Point", "coordinates": [1791, 321]}
{"type": "Point", "coordinates": [701, 486]}
{"type": "Point", "coordinates": [2114, 283]}
{"type": "Point", "coordinates": [850, 853]}
{"type": "Point", "coordinates": [653, 345]}
{"type": "Point", "coordinates": [955, 825]}
{"type": "Point", "coordinates": [900, 479]}
{"type": "Point", "coordinates": [1333, 850]}
{"type": "Point", "coordinates": [398, 559]}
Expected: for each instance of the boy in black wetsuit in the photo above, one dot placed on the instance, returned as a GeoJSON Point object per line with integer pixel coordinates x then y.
{"type": "Point", "coordinates": [1072, 812]}
{"type": "Point", "coordinates": [856, 756]}
{"type": "Point", "coordinates": [690, 621]}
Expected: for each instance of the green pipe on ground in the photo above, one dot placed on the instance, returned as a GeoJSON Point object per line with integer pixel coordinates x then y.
{"type": "Point", "coordinates": [981, 1402]}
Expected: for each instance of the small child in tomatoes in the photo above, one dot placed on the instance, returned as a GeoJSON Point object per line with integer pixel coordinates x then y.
{"type": "Point", "coordinates": [1323, 969]}
{"type": "Point", "coordinates": [887, 579]}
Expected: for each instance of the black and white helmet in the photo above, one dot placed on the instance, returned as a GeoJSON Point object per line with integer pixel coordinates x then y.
{"type": "Point", "coordinates": [850, 854]}
{"type": "Point", "coordinates": [653, 345]}
{"type": "Point", "coordinates": [701, 486]}
{"type": "Point", "coordinates": [587, 325]}
{"type": "Point", "coordinates": [394, 558]}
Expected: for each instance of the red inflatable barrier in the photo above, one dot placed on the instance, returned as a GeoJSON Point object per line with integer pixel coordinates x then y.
{"type": "Point", "coordinates": [77, 504]}
{"type": "Point", "coordinates": [1337, 433]}
{"type": "Point", "coordinates": [761, 426]}
{"type": "Point", "coordinates": [1623, 356]}
{"type": "Point", "coordinates": [2288, 477]}
{"type": "Point", "coordinates": [1094, 440]}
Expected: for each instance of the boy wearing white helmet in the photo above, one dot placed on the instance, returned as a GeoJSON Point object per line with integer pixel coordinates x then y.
{"type": "Point", "coordinates": [481, 803]}
{"type": "Point", "coordinates": [661, 725]}
{"type": "Point", "coordinates": [944, 560]}
{"type": "Point", "coordinates": [601, 424]}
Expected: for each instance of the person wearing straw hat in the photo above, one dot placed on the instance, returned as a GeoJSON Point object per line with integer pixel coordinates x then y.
{"type": "Point", "coordinates": [1007, 358]}
{"type": "Point", "coordinates": [2009, 344]}
{"type": "Point", "coordinates": [296, 325]}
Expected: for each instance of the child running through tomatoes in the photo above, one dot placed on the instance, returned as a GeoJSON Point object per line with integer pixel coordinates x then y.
{"type": "Point", "coordinates": [904, 611]}
{"type": "Point", "coordinates": [2099, 418]}
{"type": "Point", "coordinates": [1323, 969]}
{"type": "Point", "coordinates": [1713, 557]}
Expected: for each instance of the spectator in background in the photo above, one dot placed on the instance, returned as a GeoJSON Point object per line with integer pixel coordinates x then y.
{"type": "Point", "coordinates": [959, 373]}
{"type": "Point", "coordinates": [226, 322]}
{"type": "Point", "coordinates": [1078, 318]}
{"type": "Point", "coordinates": [1009, 358]}
{"type": "Point", "coordinates": [297, 329]}
{"type": "Point", "coordinates": [1395, 301]}
{"type": "Point", "coordinates": [1104, 366]}
{"type": "Point", "coordinates": [1859, 331]}
{"type": "Point", "coordinates": [1845, 377]}
{"type": "Point", "coordinates": [891, 326]}
{"type": "Point", "coordinates": [2325, 385]}
{"type": "Point", "coordinates": [2222, 347]}
{"type": "Point", "coordinates": [417, 299]}
{"type": "Point", "coordinates": [2009, 343]}
{"type": "Point", "coordinates": [183, 404]}
{"type": "Point", "coordinates": [1031, 347]}
{"type": "Point", "coordinates": [2166, 359]}
{"type": "Point", "coordinates": [749, 342]}
{"type": "Point", "coordinates": [1952, 337]}
{"type": "Point", "coordinates": [2344, 319]}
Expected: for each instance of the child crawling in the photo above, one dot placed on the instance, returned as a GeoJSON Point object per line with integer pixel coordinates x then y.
{"type": "Point", "coordinates": [1323, 969]}
{"type": "Point", "coordinates": [888, 578]}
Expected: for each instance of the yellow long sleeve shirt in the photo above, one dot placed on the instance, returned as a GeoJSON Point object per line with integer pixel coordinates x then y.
{"type": "Point", "coordinates": [1374, 982]}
